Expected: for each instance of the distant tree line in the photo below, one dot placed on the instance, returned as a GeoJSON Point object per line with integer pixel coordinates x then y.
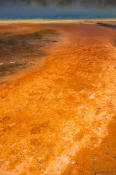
{"type": "Point", "coordinates": [104, 3]}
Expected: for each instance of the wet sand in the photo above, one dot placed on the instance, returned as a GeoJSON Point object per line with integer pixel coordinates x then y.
{"type": "Point", "coordinates": [60, 116]}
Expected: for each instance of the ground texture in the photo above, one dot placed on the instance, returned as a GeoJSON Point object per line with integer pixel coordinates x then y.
{"type": "Point", "coordinates": [60, 118]}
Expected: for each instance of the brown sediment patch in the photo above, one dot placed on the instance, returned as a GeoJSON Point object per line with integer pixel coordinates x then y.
{"type": "Point", "coordinates": [19, 50]}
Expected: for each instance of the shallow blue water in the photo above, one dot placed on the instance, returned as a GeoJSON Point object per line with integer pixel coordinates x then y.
{"type": "Point", "coordinates": [57, 9]}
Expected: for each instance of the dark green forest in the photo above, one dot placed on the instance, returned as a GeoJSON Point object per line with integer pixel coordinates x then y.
{"type": "Point", "coordinates": [103, 3]}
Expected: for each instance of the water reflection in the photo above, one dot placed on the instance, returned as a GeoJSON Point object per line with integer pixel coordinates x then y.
{"type": "Point", "coordinates": [57, 8]}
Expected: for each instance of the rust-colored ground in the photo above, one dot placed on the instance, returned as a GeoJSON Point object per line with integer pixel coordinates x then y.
{"type": "Point", "coordinates": [60, 119]}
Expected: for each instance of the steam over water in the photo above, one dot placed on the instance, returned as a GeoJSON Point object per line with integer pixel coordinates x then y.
{"type": "Point", "coordinates": [57, 9]}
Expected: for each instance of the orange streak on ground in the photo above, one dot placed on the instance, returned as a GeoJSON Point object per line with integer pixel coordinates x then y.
{"type": "Point", "coordinates": [61, 118]}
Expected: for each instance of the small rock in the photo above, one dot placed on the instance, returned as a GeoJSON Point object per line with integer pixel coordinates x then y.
{"type": "Point", "coordinates": [1, 63]}
{"type": "Point", "coordinates": [92, 96]}
{"type": "Point", "coordinates": [12, 62]}
{"type": "Point", "coordinates": [12, 124]}
{"type": "Point", "coordinates": [54, 41]}
{"type": "Point", "coordinates": [39, 161]}
{"type": "Point", "coordinates": [20, 109]}
{"type": "Point", "coordinates": [94, 158]}
{"type": "Point", "coordinates": [73, 162]}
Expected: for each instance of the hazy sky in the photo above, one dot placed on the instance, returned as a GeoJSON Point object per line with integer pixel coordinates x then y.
{"type": "Point", "coordinates": [57, 8]}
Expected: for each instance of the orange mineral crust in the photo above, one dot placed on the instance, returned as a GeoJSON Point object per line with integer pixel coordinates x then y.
{"type": "Point", "coordinates": [60, 117]}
